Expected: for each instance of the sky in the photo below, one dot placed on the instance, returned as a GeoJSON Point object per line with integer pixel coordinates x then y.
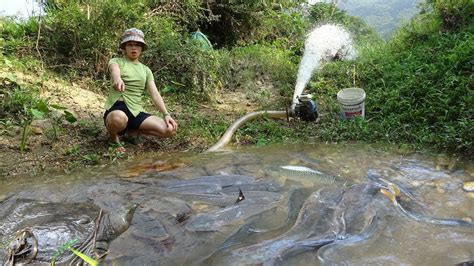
{"type": "Point", "coordinates": [22, 8]}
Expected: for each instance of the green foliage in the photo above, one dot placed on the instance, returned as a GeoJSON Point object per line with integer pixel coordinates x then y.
{"type": "Point", "coordinates": [22, 105]}
{"type": "Point", "coordinates": [283, 30]}
{"type": "Point", "coordinates": [199, 129]}
{"type": "Point", "coordinates": [73, 151]}
{"type": "Point", "coordinates": [418, 84]}
{"type": "Point", "coordinates": [454, 14]}
{"type": "Point", "coordinates": [94, 158]}
{"type": "Point", "coordinates": [90, 127]}
{"type": "Point", "coordinates": [418, 89]}
{"type": "Point", "coordinates": [5, 125]}
{"type": "Point", "coordinates": [264, 131]}
{"type": "Point", "coordinates": [247, 65]}
{"type": "Point", "coordinates": [18, 102]}
{"type": "Point", "coordinates": [17, 38]}
{"type": "Point", "coordinates": [180, 63]}
{"type": "Point", "coordinates": [234, 22]}
{"type": "Point", "coordinates": [78, 38]}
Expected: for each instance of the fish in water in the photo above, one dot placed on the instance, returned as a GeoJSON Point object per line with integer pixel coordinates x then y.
{"type": "Point", "coordinates": [328, 214]}
{"type": "Point", "coordinates": [224, 200]}
{"type": "Point", "coordinates": [214, 220]}
{"type": "Point", "coordinates": [306, 175]}
{"type": "Point", "coordinates": [47, 226]}
{"type": "Point", "coordinates": [295, 199]}
{"type": "Point", "coordinates": [211, 199]}
{"type": "Point", "coordinates": [169, 205]}
{"type": "Point", "coordinates": [271, 186]}
{"type": "Point", "coordinates": [222, 180]}
{"type": "Point", "coordinates": [328, 254]}
{"type": "Point", "coordinates": [313, 212]}
{"type": "Point", "coordinates": [181, 217]}
{"type": "Point", "coordinates": [193, 188]}
{"type": "Point", "coordinates": [394, 192]}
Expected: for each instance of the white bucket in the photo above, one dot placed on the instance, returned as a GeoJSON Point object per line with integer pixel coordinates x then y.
{"type": "Point", "coordinates": [352, 102]}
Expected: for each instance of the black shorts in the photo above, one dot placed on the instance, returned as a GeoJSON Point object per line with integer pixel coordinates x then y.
{"type": "Point", "coordinates": [134, 122]}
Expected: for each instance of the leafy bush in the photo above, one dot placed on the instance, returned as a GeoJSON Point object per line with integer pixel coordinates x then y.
{"type": "Point", "coordinates": [417, 85]}
{"type": "Point", "coordinates": [232, 23]}
{"type": "Point", "coordinates": [84, 37]}
{"type": "Point", "coordinates": [79, 38]}
{"type": "Point", "coordinates": [179, 63]}
{"type": "Point", "coordinates": [17, 101]}
{"type": "Point", "coordinates": [17, 38]}
{"type": "Point", "coordinates": [249, 64]}
{"type": "Point", "coordinates": [454, 14]}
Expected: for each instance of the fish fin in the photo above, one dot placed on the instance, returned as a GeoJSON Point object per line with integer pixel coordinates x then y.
{"type": "Point", "coordinates": [255, 230]}
{"type": "Point", "coordinates": [241, 196]}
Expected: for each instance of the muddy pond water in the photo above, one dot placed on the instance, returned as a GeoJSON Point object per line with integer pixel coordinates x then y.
{"type": "Point", "coordinates": [315, 204]}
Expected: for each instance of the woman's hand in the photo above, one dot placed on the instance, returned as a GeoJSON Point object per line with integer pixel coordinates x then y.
{"type": "Point", "coordinates": [171, 123]}
{"type": "Point", "coordinates": [118, 85]}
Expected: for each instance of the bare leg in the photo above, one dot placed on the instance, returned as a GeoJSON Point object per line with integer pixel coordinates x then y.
{"type": "Point", "coordinates": [155, 126]}
{"type": "Point", "coordinates": [115, 122]}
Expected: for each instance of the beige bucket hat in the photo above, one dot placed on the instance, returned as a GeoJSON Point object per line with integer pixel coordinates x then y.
{"type": "Point", "coordinates": [133, 34]}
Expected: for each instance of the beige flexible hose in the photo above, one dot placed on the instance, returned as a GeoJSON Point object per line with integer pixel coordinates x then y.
{"type": "Point", "coordinates": [244, 119]}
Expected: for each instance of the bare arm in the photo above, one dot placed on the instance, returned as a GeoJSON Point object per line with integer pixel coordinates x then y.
{"type": "Point", "coordinates": [160, 104]}
{"type": "Point", "coordinates": [117, 81]}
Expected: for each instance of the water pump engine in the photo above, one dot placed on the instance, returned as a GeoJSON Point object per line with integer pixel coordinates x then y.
{"type": "Point", "coordinates": [306, 108]}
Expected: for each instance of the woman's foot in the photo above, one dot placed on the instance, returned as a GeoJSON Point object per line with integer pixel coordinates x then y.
{"type": "Point", "coordinates": [117, 146]}
{"type": "Point", "coordinates": [131, 138]}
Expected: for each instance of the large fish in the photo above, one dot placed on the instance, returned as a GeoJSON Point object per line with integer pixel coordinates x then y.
{"type": "Point", "coordinates": [327, 215]}
{"type": "Point", "coordinates": [405, 202]}
{"type": "Point", "coordinates": [327, 254]}
{"type": "Point", "coordinates": [223, 200]}
{"type": "Point", "coordinates": [314, 217]}
{"type": "Point", "coordinates": [43, 227]}
{"type": "Point", "coordinates": [306, 175]}
{"type": "Point", "coordinates": [214, 220]}
{"type": "Point", "coordinates": [193, 188]}
{"type": "Point", "coordinates": [271, 186]}
{"type": "Point", "coordinates": [166, 204]}
{"type": "Point", "coordinates": [221, 180]}
{"type": "Point", "coordinates": [249, 232]}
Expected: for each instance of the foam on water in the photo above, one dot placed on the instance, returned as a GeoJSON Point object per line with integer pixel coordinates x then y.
{"type": "Point", "coordinates": [324, 43]}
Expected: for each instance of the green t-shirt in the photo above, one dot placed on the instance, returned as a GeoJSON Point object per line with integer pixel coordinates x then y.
{"type": "Point", "coordinates": [134, 76]}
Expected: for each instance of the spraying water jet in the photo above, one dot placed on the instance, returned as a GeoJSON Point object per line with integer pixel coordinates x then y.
{"type": "Point", "coordinates": [324, 43]}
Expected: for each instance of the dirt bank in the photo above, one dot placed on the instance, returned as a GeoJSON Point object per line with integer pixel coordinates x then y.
{"type": "Point", "coordinates": [84, 143]}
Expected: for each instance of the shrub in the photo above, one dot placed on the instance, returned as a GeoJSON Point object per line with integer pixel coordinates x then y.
{"type": "Point", "coordinates": [417, 85]}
